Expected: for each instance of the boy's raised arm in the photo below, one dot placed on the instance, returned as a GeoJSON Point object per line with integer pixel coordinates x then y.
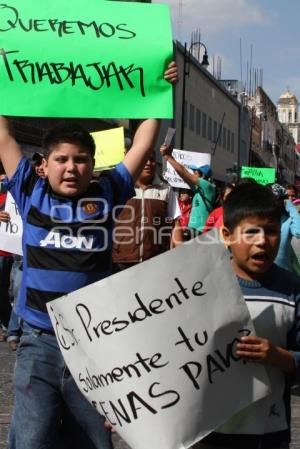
{"type": "Point", "coordinates": [10, 152]}
{"type": "Point", "coordinates": [142, 147]}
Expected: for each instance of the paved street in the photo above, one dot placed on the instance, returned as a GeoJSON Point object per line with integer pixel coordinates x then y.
{"type": "Point", "coordinates": [7, 359]}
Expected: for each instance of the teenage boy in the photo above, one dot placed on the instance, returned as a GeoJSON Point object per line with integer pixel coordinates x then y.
{"type": "Point", "coordinates": [67, 222]}
{"type": "Point", "coordinates": [252, 233]}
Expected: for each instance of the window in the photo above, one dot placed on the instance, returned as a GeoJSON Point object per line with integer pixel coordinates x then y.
{"type": "Point", "coordinates": [232, 142]}
{"type": "Point", "coordinates": [228, 140]}
{"type": "Point", "coordinates": [204, 120]}
{"type": "Point", "coordinates": [198, 121]}
{"type": "Point", "coordinates": [215, 131]}
{"type": "Point", "coordinates": [224, 138]}
{"type": "Point", "coordinates": [220, 135]}
{"type": "Point", "coordinates": [209, 131]}
{"type": "Point", "coordinates": [192, 118]}
{"type": "Point", "coordinates": [185, 114]}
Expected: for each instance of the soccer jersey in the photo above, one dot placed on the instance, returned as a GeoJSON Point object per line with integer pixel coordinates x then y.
{"type": "Point", "coordinates": [66, 241]}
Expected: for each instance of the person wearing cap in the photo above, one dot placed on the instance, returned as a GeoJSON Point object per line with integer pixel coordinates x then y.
{"type": "Point", "coordinates": [199, 181]}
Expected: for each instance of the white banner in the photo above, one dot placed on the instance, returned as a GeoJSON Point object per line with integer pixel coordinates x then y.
{"type": "Point", "coordinates": [185, 158]}
{"type": "Point", "coordinates": [11, 232]}
{"type": "Point", "coordinates": [153, 347]}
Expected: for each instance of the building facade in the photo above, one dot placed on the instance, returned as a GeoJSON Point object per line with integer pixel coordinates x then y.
{"type": "Point", "coordinates": [288, 114]}
{"type": "Point", "coordinates": [208, 118]}
{"type": "Point", "coordinates": [271, 144]}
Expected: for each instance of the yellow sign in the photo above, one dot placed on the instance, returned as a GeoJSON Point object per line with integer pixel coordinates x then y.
{"type": "Point", "coordinates": [110, 148]}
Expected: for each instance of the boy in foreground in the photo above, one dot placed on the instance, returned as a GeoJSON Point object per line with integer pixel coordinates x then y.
{"type": "Point", "coordinates": [67, 240]}
{"type": "Point", "coordinates": [252, 233]}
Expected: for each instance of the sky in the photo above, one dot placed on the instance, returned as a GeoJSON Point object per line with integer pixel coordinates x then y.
{"type": "Point", "coordinates": [270, 27]}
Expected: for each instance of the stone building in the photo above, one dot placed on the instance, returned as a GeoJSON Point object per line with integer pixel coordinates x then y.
{"type": "Point", "coordinates": [288, 113]}
{"type": "Point", "coordinates": [277, 145]}
{"type": "Point", "coordinates": [288, 116]}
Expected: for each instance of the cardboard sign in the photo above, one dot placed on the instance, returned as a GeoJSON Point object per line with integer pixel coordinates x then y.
{"type": "Point", "coordinates": [169, 136]}
{"type": "Point", "coordinates": [153, 347]}
{"type": "Point", "coordinates": [185, 158]}
{"type": "Point", "coordinates": [261, 175]}
{"type": "Point", "coordinates": [64, 59]}
{"type": "Point", "coordinates": [110, 148]}
{"type": "Point", "coordinates": [11, 232]}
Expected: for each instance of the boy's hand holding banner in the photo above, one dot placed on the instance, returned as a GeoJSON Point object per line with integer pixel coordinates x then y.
{"type": "Point", "coordinates": [153, 347]}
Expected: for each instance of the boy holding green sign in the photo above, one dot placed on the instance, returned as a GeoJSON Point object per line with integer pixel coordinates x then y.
{"type": "Point", "coordinates": [67, 243]}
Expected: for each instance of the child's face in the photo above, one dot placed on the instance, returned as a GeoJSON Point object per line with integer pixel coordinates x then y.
{"type": "Point", "coordinates": [254, 245]}
{"type": "Point", "coordinates": [39, 169]}
{"type": "Point", "coordinates": [69, 169]}
{"type": "Point", "coordinates": [291, 194]}
{"type": "Point", "coordinates": [185, 197]}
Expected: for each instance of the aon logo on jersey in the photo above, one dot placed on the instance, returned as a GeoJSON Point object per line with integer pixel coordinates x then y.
{"type": "Point", "coordinates": [56, 240]}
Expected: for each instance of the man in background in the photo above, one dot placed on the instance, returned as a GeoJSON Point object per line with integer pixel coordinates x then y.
{"type": "Point", "coordinates": [149, 223]}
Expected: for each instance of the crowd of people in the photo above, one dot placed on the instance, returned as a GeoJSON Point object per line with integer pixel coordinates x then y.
{"type": "Point", "coordinates": [258, 224]}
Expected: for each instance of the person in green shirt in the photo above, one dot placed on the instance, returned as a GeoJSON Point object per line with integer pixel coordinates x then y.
{"type": "Point", "coordinates": [199, 181]}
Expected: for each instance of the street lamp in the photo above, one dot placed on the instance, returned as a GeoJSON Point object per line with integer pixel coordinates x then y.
{"type": "Point", "coordinates": [204, 63]}
{"type": "Point", "coordinates": [186, 72]}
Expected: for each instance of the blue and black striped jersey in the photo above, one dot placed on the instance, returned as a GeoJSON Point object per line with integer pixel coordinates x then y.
{"type": "Point", "coordinates": [66, 241]}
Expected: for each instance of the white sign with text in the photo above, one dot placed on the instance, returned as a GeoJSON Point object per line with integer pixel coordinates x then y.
{"type": "Point", "coordinates": [185, 158]}
{"type": "Point", "coordinates": [153, 347]}
{"type": "Point", "coordinates": [11, 232]}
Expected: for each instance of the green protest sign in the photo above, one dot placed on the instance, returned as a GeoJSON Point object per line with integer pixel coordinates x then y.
{"type": "Point", "coordinates": [261, 175]}
{"type": "Point", "coordinates": [72, 59]}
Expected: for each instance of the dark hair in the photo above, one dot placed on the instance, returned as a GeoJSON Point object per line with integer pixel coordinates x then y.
{"type": "Point", "coordinates": [250, 200]}
{"type": "Point", "coordinates": [188, 191]}
{"type": "Point", "coordinates": [2, 171]}
{"type": "Point", "coordinates": [70, 133]}
{"type": "Point", "coordinates": [242, 181]}
{"type": "Point", "coordinates": [291, 187]}
{"type": "Point", "coordinates": [37, 159]}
